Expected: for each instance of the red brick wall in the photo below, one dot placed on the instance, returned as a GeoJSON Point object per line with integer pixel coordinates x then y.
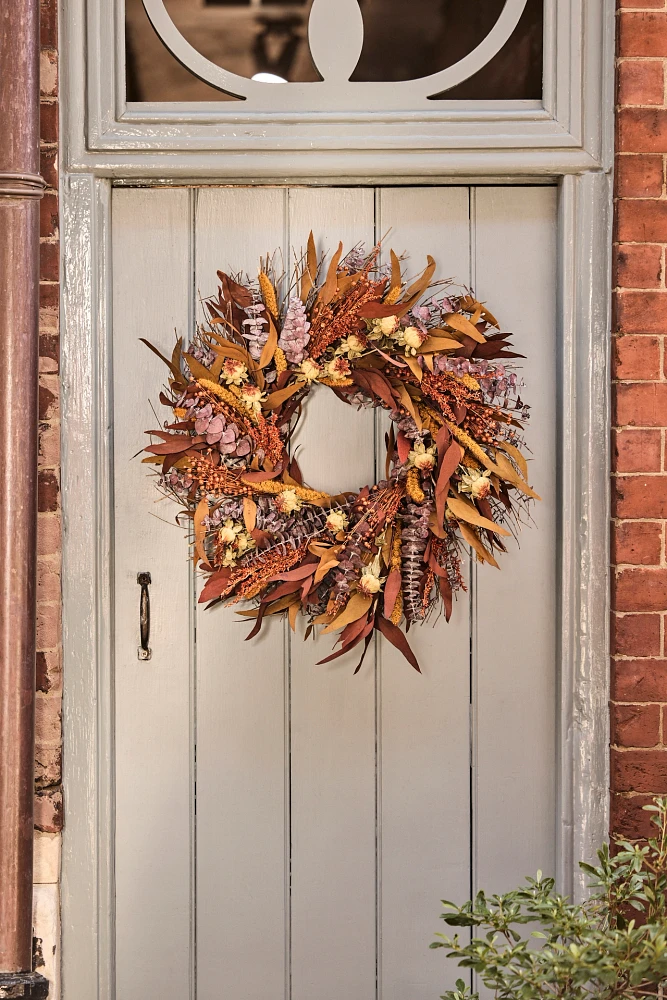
{"type": "Point", "coordinates": [639, 599]}
{"type": "Point", "coordinates": [48, 804]}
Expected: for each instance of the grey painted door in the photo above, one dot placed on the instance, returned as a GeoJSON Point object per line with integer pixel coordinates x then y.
{"type": "Point", "coordinates": [284, 830]}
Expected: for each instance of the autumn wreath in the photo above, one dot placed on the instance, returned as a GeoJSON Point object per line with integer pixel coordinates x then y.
{"type": "Point", "coordinates": [455, 476]}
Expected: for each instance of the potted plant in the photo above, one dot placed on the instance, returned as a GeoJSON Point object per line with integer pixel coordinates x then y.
{"type": "Point", "coordinates": [534, 944]}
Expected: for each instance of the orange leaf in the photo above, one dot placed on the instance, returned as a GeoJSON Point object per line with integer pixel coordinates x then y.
{"type": "Point", "coordinates": [463, 325]}
{"type": "Point", "coordinates": [463, 510]}
{"type": "Point", "coordinates": [472, 538]}
{"type": "Point", "coordinates": [329, 288]}
{"type": "Point", "coordinates": [277, 398]}
{"type": "Point", "coordinates": [249, 513]}
{"type": "Point", "coordinates": [357, 606]}
{"type": "Point", "coordinates": [310, 271]}
{"type": "Point", "coordinates": [269, 348]}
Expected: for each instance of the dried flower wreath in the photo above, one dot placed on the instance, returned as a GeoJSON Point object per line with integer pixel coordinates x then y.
{"type": "Point", "coordinates": [454, 473]}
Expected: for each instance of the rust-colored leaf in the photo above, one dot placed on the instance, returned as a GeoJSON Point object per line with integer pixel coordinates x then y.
{"type": "Point", "coordinates": [310, 270]}
{"type": "Point", "coordinates": [176, 372]}
{"type": "Point", "coordinates": [396, 278]}
{"type": "Point", "coordinates": [198, 370]}
{"type": "Point", "coordinates": [516, 455]}
{"type": "Point", "coordinates": [510, 475]}
{"type": "Point", "coordinates": [449, 464]}
{"type": "Point", "coordinates": [415, 367]}
{"type": "Point", "coordinates": [418, 287]}
{"type": "Point", "coordinates": [398, 639]}
{"type": "Point", "coordinates": [200, 528]}
{"type": "Point", "coordinates": [391, 590]}
{"type": "Point", "coordinates": [408, 402]}
{"type": "Point", "coordinates": [432, 344]}
{"type": "Point", "coordinates": [328, 560]}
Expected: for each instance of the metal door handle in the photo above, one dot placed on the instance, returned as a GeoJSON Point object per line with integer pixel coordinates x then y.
{"type": "Point", "coordinates": [144, 651]}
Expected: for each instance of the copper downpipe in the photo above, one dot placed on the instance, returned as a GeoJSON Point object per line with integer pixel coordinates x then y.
{"type": "Point", "coordinates": [20, 191]}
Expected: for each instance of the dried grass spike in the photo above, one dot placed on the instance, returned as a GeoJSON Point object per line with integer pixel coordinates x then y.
{"type": "Point", "coordinates": [268, 294]}
{"type": "Point", "coordinates": [280, 360]}
{"type": "Point", "coordinates": [397, 613]}
{"type": "Point", "coordinates": [413, 486]}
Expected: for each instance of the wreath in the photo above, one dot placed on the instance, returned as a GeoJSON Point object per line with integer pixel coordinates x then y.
{"type": "Point", "coordinates": [455, 475]}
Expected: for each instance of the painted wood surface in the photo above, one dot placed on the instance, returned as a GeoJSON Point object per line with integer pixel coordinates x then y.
{"type": "Point", "coordinates": [514, 637]}
{"type": "Point", "coordinates": [154, 796]}
{"type": "Point", "coordinates": [332, 812]}
{"type": "Point", "coordinates": [424, 720]}
{"type": "Point", "coordinates": [242, 753]}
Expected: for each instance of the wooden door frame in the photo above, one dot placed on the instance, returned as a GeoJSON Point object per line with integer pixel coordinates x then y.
{"type": "Point", "coordinates": [582, 167]}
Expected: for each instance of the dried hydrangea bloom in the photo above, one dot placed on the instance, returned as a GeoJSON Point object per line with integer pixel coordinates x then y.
{"type": "Point", "coordinates": [294, 335]}
{"type": "Point", "coordinates": [255, 329]}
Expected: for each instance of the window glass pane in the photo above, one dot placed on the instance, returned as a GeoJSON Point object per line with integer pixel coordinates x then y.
{"type": "Point", "coordinates": [403, 40]}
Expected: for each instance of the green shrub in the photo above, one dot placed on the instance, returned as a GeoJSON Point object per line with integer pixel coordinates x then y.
{"type": "Point", "coordinates": [613, 945]}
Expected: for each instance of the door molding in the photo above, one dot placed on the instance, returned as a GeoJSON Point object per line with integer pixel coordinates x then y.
{"type": "Point", "coordinates": [567, 139]}
{"type": "Point", "coordinates": [584, 323]}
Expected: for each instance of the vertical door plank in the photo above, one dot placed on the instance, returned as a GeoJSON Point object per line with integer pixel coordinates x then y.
{"type": "Point", "coordinates": [515, 661]}
{"type": "Point", "coordinates": [424, 719]}
{"type": "Point", "coordinates": [333, 712]}
{"type": "Point", "coordinates": [151, 247]}
{"type": "Point", "coordinates": [241, 749]}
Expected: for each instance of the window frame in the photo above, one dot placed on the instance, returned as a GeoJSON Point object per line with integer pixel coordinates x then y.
{"type": "Point", "coordinates": [562, 133]}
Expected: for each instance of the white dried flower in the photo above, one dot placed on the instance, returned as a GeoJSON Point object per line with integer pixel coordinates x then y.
{"type": "Point", "coordinates": [287, 501]}
{"type": "Point", "coordinates": [351, 346]}
{"type": "Point", "coordinates": [337, 521]}
{"type": "Point", "coordinates": [234, 372]}
{"type": "Point", "coordinates": [370, 581]}
{"type": "Point", "coordinates": [421, 457]}
{"type": "Point", "coordinates": [253, 396]}
{"type": "Point", "coordinates": [337, 369]}
{"type": "Point", "coordinates": [476, 483]}
{"type": "Point", "coordinates": [310, 370]}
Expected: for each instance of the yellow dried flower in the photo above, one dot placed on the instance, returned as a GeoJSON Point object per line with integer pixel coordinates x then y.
{"type": "Point", "coordinates": [412, 484]}
{"type": "Point", "coordinates": [268, 294]}
{"type": "Point", "coordinates": [228, 397]}
{"type": "Point", "coordinates": [468, 443]}
{"type": "Point", "coordinates": [470, 382]}
{"type": "Point", "coordinates": [397, 613]}
{"type": "Point", "coordinates": [396, 547]}
{"type": "Point", "coordinates": [280, 360]}
{"type": "Point", "coordinates": [310, 496]}
{"type": "Point", "coordinates": [393, 295]}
